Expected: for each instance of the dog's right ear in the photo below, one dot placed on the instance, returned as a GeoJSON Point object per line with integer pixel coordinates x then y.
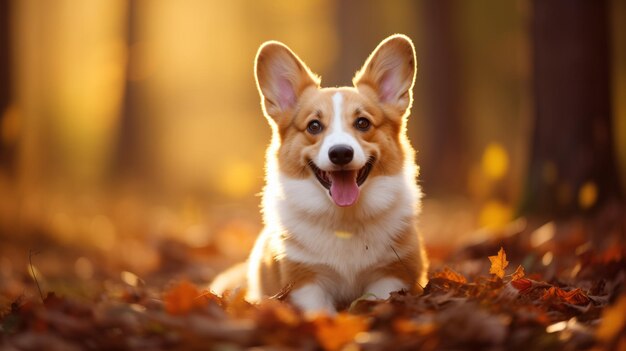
{"type": "Point", "coordinates": [281, 78]}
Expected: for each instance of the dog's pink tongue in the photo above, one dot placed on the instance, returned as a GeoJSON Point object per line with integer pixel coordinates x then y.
{"type": "Point", "coordinates": [344, 189]}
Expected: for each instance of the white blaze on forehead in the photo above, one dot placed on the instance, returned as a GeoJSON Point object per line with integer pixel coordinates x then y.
{"type": "Point", "coordinates": [338, 136]}
{"type": "Point", "coordinates": [337, 115]}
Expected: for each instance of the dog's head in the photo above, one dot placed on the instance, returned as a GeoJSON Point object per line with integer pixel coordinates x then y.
{"type": "Point", "coordinates": [338, 138]}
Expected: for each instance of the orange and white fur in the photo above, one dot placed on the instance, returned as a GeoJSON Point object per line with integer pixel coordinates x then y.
{"type": "Point", "coordinates": [341, 202]}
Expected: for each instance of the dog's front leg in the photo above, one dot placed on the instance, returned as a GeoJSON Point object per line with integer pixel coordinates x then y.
{"type": "Point", "coordinates": [312, 298]}
{"type": "Point", "coordinates": [382, 288]}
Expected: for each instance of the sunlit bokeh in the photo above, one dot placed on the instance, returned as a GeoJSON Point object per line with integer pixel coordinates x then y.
{"type": "Point", "coordinates": [587, 195]}
{"type": "Point", "coordinates": [495, 161]}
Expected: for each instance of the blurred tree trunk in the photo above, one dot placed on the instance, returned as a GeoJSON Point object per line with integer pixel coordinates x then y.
{"type": "Point", "coordinates": [126, 158]}
{"type": "Point", "coordinates": [444, 168]}
{"type": "Point", "coordinates": [356, 41]}
{"type": "Point", "coordinates": [572, 166]}
{"type": "Point", "coordinates": [7, 140]}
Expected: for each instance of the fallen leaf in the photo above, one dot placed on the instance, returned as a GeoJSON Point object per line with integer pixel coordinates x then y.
{"type": "Point", "coordinates": [449, 274]}
{"type": "Point", "coordinates": [518, 274]}
{"type": "Point", "coordinates": [235, 303]}
{"type": "Point", "coordinates": [209, 296]}
{"type": "Point", "coordinates": [574, 297]}
{"type": "Point", "coordinates": [182, 298]}
{"type": "Point", "coordinates": [334, 333]}
{"type": "Point", "coordinates": [522, 284]}
{"type": "Point", "coordinates": [468, 324]}
{"type": "Point", "coordinates": [280, 313]}
{"type": "Point", "coordinates": [408, 326]}
{"type": "Point", "coordinates": [498, 263]}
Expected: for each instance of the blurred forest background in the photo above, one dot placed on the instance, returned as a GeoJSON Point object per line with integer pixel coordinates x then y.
{"type": "Point", "coordinates": [132, 136]}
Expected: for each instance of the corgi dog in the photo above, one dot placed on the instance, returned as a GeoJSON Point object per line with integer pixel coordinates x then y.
{"type": "Point", "coordinates": [341, 203]}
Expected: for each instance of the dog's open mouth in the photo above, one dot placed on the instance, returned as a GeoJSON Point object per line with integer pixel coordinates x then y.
{"type": "Point", "coordinates": [343, 185]}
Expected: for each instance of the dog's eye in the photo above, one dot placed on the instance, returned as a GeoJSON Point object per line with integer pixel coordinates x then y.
{"type": "Point", "coordinates": [314, 127]}
{"type": "Point", "coordinates": [363, 124]}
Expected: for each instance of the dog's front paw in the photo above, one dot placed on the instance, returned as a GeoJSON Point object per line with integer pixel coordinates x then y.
{"type": "Point", "coordinates": [313, 300]}
{"type": "Point", "coordinates": [382, 288]}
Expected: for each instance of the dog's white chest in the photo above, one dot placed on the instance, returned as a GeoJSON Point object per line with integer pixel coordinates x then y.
{"type": "Point", "coordinates": [347, 253]}
{"type": "Point", "coordinates": [347, 245]}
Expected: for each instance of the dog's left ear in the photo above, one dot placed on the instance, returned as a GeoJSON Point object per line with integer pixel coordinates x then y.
{"type": "Point", "coordinates": [390, 72]}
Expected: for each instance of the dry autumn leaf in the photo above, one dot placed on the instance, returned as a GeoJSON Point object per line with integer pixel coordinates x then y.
{"type": "Point", "coordinates": [209, 297]}
{"type": "Point", "coordinates": [406, 326]}
{"type": "Point", "coordinates": [498, 263]}
{"type": "Point", "coordinates": [236, 304]}
{"type": "Point", "coordinates": [522, 284]}
{"type": "Point", "coordinates": [449, 274]}
{"type": "Point", "coordinates": [574, 297]}
{"type": "Point", "coordinates": [182, 298]}
{"type": "Point", "coordinates": [335, 333]}
{"type": "Point", "coordinates": [519, 273]}
{"type": "Point", "coordinates": [281, 312]}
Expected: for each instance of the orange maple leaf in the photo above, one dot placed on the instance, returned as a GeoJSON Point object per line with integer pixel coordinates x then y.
{"type": "Point", "coordinates": [449, 274]}
{"type": "Point", "coordinates": [335, 333]}
{"type": "Point", "coordinates": [498, 263]}
{"type": "Point", "coordinates": [182, 298]}
{"type": "Point", "coordinates": [522, 284]}
{"type": "Point", "coordinates": [574, 297]}
{"type": "Point", "coordinates": [519, 273]}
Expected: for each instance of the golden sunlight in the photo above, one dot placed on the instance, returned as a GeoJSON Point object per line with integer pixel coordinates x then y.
{"type": "Point", "coordinates": [495, 215]}
{"type": "Point", "coordinates": [495, 161]}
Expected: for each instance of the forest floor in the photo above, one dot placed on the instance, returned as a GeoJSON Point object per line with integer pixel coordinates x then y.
{"type": "Point", "coordinates": [538, 285]}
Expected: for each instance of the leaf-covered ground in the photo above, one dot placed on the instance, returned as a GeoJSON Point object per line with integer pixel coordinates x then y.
{"type": "Point", "coordinates": [557, 286]}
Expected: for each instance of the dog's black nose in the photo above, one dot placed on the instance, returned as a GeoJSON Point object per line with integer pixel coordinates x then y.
{"type": "Point", "coordinates": [340, 154]}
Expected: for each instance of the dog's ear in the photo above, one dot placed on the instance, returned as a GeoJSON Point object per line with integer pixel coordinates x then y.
{"type": "Point", "coordinates": [390, 72]}
{"type": "Point", "coordinates": [281, 78]}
